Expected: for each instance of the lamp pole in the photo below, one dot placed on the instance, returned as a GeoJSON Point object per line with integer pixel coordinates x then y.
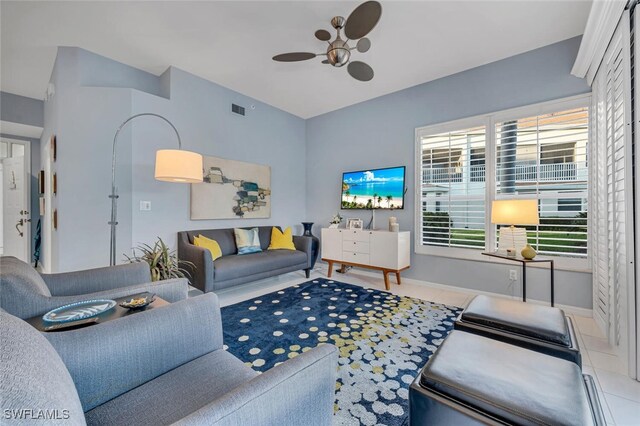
{"type": "Point", "coordinates": [114, 196]}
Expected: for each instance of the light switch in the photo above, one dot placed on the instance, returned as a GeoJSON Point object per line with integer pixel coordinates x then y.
{"type": "Point", "coordinates": [145, 205]}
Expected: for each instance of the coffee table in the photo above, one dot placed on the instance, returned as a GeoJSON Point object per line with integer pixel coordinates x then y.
{"type": "Point", "coordinates": [113, 313]}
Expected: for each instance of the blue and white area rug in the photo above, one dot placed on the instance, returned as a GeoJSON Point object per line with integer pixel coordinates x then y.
{"type": "Point", "coordinates": [383, 339]}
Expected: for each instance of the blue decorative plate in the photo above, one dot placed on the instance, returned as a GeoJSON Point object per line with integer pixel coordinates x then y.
{"type": "Point", "coordinates": [79, 310]}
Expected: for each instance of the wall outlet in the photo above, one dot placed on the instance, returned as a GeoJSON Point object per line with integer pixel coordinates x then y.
{"type": "Point", "coordinates": [513, 275]}
{"type": "Point", "coordinates": [145, 206]}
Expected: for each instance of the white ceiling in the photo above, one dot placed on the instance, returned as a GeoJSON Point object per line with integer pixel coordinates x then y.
{"type": "Point", "coordinates": [231, 43]}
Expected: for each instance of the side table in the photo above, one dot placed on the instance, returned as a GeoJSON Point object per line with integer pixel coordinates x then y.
{"type": "Point", "coordinates": [524, 262]}
{"type": "Point", "coordinates": [113, 313]}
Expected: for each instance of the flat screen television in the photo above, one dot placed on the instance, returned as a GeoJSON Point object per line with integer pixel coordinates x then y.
{"type": "Point", "coordinates": [373, 189]}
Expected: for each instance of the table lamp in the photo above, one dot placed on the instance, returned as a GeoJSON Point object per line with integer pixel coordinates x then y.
{"type": "Point", "coordinates": [515, 212]}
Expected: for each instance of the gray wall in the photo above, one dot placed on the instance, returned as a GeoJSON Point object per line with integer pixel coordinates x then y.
{"type": "Point", "coordinates": [85, 117]}
{"type": "Point", "coordinates": [22, 110]}
{"type": "Point", "coordinates": [380, 133]}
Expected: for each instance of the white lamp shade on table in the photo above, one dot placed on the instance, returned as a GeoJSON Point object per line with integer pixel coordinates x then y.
{"type": "Point", "coordinates": [515, 212]}
{"type": "Point", "coordinates": [176, 165]}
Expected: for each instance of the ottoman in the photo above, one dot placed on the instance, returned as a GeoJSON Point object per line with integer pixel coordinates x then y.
{"type": "Point", "coordinates": [539, 328]}
{"type": "Point", "coordinates": [472, 380]}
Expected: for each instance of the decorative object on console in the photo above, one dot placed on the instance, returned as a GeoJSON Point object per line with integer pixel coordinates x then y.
{"type": "Point", "coordinates": [231, 190]}
{"type": "Point", "coordinates": [163, 262]}
{"type": "Point", "coordinates": [281, 240]}
{"type": "Point", "coordinates": [370, 372]}
{"type": "Point", "coordinates": [353, 223]}
{"type": "Point", "coordinates": [394, 226]}
{"type": "Point", "coordinates": [209, 244]}
{"type": "Point", "coordinates": [335, 221]}
{"type": "Point", "coordinates": [247, 240]}
{"type": "Point", "coordinates": [514, 212]}
{"type": "Point", "coordinates": [528, 252]}
{"type": "Point", "coordinates": [361, 21]}
{"type": "Point", "coordinates": [315, 245]}
{"type": "Point", "coordinates": [172, 165]}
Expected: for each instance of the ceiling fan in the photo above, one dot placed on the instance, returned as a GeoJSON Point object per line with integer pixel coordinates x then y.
{"type": "Point", "coordinates": [361, 21]}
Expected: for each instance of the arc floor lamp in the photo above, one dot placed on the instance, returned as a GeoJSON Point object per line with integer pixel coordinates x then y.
{"type": "Point", "coordinates": [172, 165]}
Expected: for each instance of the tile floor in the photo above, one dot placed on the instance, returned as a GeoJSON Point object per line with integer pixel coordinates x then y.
{"type": "Point", "coordinates": [620, 395]}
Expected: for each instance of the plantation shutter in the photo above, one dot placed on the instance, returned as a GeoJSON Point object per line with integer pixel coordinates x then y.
{"type": "Point", "coordinates": [452, 189]}
{"type": "Point", "coordinates": [545, 157]}
{"type": "Point", "coordinates": [611, 166]}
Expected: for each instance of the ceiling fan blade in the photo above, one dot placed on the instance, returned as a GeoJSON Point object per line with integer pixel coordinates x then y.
{"type": "Point", "coordinates": [362, 20]}
{"type": "Point", "coordinates": [326, 61]}
{"type": "Point", "coordinates": [294, 57]}
{"type": "Point", "coordinates": [323, 35]}
{"type": "Point", "coordinates": [363, 45]}
{"type": "Point", "coordinates": [360, 71]}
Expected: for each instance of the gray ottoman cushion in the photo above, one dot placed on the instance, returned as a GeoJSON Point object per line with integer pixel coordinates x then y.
{"type": "Point", "coordinates": [508, 382]}
{"type": "Point", "coordinates": [540, 322]}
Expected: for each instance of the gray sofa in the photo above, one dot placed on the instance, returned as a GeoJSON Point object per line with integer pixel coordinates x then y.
{"type": "Point", "coordinates": [163, 366]}
{"type": "Point", "coordinates": [25, 293]}
{"type": "Point", "coordinates": [233, 269]}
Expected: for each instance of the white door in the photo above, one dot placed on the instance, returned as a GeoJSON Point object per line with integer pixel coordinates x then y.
{"type": "Point", "coordinates": [15, 216]}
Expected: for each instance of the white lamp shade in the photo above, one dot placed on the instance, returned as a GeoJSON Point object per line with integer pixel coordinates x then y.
{"type": "Point", "coordinates": [176, 165]}
{"type": "Point", "coordinates": [515, 212]}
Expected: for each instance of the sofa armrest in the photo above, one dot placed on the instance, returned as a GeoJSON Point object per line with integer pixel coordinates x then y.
{"type": "Point", "coordinates": [202, 270]}
{"type": "Point", "coordinates": [300, 391]}
{"type": "Point", "coordinates": [109, 359]}
{"type": "Point", "coordinates": [304, 243]}
{"type": "Point", "coordinates": [99, 279]}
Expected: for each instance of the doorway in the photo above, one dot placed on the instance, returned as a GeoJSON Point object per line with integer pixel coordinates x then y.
{"type": "Point", "coordinates": [15, 199]}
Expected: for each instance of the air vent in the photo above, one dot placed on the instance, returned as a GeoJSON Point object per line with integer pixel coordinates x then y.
{"type": "Point", "coordinates": [237, 109]}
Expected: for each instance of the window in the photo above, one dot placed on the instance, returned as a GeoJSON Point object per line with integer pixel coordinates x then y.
{"type": "Point", "coordinates": [534, 152]}
{"type": "Point", "coordinates": [453, 188]}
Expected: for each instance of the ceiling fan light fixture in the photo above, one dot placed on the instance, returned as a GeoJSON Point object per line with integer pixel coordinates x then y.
{"type": "Point", "coordinates": [338, 53]}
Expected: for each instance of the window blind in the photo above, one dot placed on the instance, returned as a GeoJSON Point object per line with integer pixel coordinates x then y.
{"type": "Point", "coordinates": [545, 157]}
{"type": "Point", "coordinates": [453, 188]}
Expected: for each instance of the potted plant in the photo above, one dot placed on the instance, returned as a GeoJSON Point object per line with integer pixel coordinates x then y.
{"type": "Point", "coordinates": [335, 221]}
{"type": "Point", "coordinates": [163, 262]}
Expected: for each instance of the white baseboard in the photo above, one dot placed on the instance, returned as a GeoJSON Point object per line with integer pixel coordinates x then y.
{"type": "Point", "coordinates": [574, 310]}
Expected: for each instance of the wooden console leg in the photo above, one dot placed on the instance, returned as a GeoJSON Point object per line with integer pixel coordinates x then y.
{"type": "Point", "coordinates": [398, 278]}
{"type": "Point", "coordinates": [330, 270]}
{"type": "Point", "coordinates": [386, 279]}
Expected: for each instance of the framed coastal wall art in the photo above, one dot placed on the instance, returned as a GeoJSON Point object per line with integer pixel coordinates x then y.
{"type": "Point", "coordinates": [231, 190]}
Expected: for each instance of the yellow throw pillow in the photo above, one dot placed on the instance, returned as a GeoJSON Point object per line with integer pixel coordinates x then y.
{"type": "Point", "coordinates": [208, 243]}
{"type": "Point", "coordinates": [281, 240]}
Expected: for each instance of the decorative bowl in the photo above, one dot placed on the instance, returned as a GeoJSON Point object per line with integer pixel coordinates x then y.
{"type": "Point", "coordinates": [140, 301]}
{"type": "Point", "coordinates": [79, 310]}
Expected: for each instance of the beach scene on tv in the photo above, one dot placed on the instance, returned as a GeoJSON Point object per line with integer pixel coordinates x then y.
{"type": "Point", "coordinates": [373, 189]}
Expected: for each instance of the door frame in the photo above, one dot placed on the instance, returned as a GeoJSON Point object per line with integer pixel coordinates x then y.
{"type": "Point", "coordinates": [27, 179]}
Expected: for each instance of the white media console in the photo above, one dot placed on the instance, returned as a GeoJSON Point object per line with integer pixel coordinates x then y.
{"type": "Point", "coordinates": [382, 250]}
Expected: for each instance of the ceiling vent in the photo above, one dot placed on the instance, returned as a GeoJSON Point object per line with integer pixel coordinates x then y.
{"type": "Point", "coordinates": [237, 109]}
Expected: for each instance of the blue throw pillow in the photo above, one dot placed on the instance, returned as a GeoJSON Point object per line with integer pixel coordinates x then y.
{"type": "Point", "coordinates": [247, 240]}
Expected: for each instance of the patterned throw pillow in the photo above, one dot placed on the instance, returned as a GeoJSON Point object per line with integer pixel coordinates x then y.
{"type": "Point", "coordinates": [247, 240]}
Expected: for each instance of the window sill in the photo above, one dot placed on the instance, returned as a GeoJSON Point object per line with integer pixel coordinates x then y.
{"type": "Point", "coordinates": [559, 263]}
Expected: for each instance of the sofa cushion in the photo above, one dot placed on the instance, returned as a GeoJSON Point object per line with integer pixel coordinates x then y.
{"type": "Point", "coordinates": [33, 376]}
{"type": "Point", "coordinates": [540, 322]}
{"type": "Point", "coordinates": [230, 267]}
{"type": "Point", "coordinates": [176, 394]}
{"type": "Point", "coordinates": [209, 244]}
{"type": "Point", "coordinates": [511, 383]}
{"type": "Point", "coordinates": [227, 240]}
{"type": "Point", "coordinates": [247, 240]}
